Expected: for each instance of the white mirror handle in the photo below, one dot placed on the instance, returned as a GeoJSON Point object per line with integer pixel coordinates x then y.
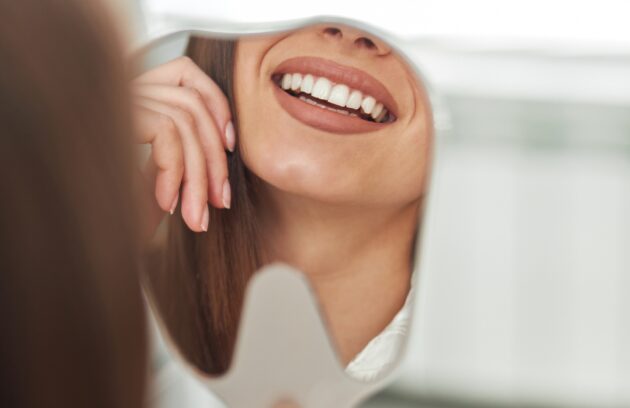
{"type": "Point", "coordinates": [283, 352]}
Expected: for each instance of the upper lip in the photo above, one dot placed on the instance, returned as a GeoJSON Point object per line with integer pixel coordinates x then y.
{"type": "Point", "coordinates": [341, 74]}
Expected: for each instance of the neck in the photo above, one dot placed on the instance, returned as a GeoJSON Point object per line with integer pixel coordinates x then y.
{"type": "Point", "coordinates": [351, 254]}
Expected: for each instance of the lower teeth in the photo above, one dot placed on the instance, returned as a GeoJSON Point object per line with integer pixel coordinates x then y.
{"type": "Point", "coordinates": [312, 102]}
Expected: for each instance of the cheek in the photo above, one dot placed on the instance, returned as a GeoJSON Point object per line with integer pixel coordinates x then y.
{"type": "Point", "coordinates": [291, 161]}
{"type": "Point", "coordinates": [405, 170]}
{"type": "Point", "coordinates": [354, 170]}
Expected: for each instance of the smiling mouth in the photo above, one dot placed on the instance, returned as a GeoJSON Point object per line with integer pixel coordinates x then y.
{"type": "Point", "coordinates": [336, 97]}
{"type": "Point", "coordinates": [332, 97]}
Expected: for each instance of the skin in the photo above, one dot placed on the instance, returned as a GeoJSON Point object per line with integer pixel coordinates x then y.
{"type": "Point", "coordinates": [341, 208]}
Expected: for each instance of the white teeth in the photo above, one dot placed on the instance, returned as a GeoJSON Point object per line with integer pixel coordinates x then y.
{"type": "Point", "coordinates": [378, 108]}
{"type": "Point", "coordinates": [296, 80]}
{"type": "Point", "coordinates": [321, 89]}
{"type": "Point", "coordinates": [368, 104]}
{"type": "Point", "coordinates": [312, 102]}
{"type": "Point", "coordinates": [354, 100]}
{"type": "Point", "coordinates": [307, 100]}
{"type": "Point", "coordinates": [307, 83]}
{"type": "Point", "coordinates": [339, 95]}
{"type": "Point", "coordinates": [286, 81]}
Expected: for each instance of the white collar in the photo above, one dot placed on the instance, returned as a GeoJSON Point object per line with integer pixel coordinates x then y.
{"type": "Point", "coordinates": [383, 350]}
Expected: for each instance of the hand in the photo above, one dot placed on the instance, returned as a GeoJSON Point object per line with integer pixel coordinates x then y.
{"type": "Point", "coordinates": [186, 118]}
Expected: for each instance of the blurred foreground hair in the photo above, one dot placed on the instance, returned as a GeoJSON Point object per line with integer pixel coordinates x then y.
{"type": "Point", "coordinates": [71, 313]}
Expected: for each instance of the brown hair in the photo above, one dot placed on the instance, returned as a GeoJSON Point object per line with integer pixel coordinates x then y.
{"type": "Point", "coordinates": [71, 314]}
{"type": "Point", "coordinates": [200, 280]}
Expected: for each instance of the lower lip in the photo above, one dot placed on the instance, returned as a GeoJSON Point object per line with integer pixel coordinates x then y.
{"type": "Point", "coordinates": [322, 118]}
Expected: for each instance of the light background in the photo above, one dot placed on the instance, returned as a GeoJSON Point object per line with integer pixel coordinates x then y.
{"type": "Point", "coordinates": [528, 242]}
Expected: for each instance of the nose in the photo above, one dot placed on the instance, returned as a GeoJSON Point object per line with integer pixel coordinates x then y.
{"type": "Point", "coordinates": [356, 39]}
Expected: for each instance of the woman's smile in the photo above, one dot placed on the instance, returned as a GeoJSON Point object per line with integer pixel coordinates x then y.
{"type": "Point", "coordinates": [332, 97]}
{"type": "Point", "coordinates": [302, 96]}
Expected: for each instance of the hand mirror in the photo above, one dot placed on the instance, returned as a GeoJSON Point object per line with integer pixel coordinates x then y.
{"type": "Point", "coordinates": [301, 292]}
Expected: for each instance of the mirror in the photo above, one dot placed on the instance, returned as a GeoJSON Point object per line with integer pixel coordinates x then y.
{"type": "Point", "coordinates": [333, 131]}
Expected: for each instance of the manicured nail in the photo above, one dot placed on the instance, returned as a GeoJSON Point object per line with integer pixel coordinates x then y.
{"type": "Point", "coordinates": [230, 136]}
{"type": "Point", "coordinates": [205, 219]}
{"type": "Point", "coordinates": [174, 205]}
{"type": "Point", "coordinates": [227, 194]}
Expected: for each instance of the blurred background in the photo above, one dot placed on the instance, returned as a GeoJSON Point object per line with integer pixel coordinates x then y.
{"type": "Point", "coordinates": [527, 249]}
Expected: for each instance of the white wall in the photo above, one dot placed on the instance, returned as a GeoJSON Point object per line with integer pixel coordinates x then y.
{"type": "Point", "coordinates": [526, 280]}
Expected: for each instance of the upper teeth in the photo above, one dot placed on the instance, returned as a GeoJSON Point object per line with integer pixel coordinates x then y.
{"type": "Point", "coordinates": [337, 94]}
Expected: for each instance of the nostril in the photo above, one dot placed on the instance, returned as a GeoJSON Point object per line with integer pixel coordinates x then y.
{"type": "Point", "coordinates": [333, 32]}
{"type": "Point", "coordinates": [365, 42]}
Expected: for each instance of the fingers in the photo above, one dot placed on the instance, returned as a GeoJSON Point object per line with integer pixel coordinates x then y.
{"type": "Point", "coordinates": [184, 72]}
{"type": "Point", "coordinates": [191, 101]}
{"type": "Point", "coordinates": [166, 155]}
{"type": "Point", "coordinates": [178, 154]}
{"type": "Point", "coordinates": [153, 213]}
{"type": "Point", "coordinates": [186, 117]}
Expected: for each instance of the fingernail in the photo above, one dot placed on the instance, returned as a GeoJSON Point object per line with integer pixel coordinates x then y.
{"type": "Point", "coordinates": [205, 219]}
{"type": "Point", "coordinates": [230, 136]}
{"type": "Point", "coordinates": [227, 194]}
{"type": "Point", "coordinates": [174, 205]}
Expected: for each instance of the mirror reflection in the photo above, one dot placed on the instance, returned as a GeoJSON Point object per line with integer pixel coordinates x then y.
{"type": "Point", "coordinates": [310, 147]}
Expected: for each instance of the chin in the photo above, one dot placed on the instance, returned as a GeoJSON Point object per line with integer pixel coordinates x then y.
{"type": "Point", "coordinates": [303, 178]}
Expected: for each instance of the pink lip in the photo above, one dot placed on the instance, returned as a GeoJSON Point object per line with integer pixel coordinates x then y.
{"type": "Point", "coordinates": [325, 119]}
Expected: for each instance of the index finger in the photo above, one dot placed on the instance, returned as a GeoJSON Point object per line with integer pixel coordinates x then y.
{"type": "Point", "coordinates": [184, 72]}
